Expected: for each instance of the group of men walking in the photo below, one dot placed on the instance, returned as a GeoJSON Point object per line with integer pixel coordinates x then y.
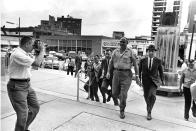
{"type": "Point", "coordinates": [114, 70]}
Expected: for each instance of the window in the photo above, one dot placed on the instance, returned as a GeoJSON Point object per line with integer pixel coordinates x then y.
{"type": "Point", "coordinates": [89, 43]}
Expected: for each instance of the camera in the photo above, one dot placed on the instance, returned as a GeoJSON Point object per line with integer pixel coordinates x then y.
{"type": "Point", "coordinates": [36, 45]}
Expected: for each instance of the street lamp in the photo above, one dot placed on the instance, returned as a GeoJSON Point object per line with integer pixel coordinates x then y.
{"type": "Point", "coordinates": [194, 20]}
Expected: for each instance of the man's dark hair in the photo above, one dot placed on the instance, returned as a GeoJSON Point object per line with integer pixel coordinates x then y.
{"type": "Point", "coordinates": [108, 50]}
{"type": "Point", "coordinates": [24, 40]}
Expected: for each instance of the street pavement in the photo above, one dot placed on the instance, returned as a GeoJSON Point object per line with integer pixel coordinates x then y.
{"type": "Point", "coordinates": [60, 110]}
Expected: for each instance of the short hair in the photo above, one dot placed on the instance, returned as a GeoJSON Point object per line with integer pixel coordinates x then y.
{"type": "Point", "coordinates": [191, 61]}
{"type": "Point", "coordinates": [108, 50]}
{"type": "Point", "coordinates": [24, 40]}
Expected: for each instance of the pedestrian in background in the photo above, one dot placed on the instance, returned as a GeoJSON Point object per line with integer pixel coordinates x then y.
{"type": "Point", "coordinates": [150, 68]}
{"type": "Point", "coordinates": [121, 64]}
{"type": "Point", "coordinates": [21, 95]}
{"type": "Point", "coordinates": [70, 66]}
{"type": "Point", "coordinates": [188, 77]}
{"type": "Point", "coordinates": [78, 62]}
{"type": "Point", "coordinates": [93, 84]}
{"type": "Point", "coordinates": [107, 82]}
{"type": "Point", "coordinates": [99, 78]}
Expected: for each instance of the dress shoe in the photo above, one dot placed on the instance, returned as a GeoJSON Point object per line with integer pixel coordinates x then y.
{"type": "Point", "coordinates": [104, 100]}
{"type": "Point", "coordinates": [194, 112]}
{"type": "Point", "coordinates": [122, 114]}
{"type": "Point", "coordinates": [108, 99]}
{"type": "Point", "coordinates": [149, 116]}
{"type": "Point", "coordinates": [116, 103]}
{"type": "Point", "coordinates": [186, 117]}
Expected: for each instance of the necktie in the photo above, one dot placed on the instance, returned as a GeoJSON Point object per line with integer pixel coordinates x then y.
{"type": "Point", "coordinates": [107, 61]}
{"type": "Point", "coordinates": [150, 63]}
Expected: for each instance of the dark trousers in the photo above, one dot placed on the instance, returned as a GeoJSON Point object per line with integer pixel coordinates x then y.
{"type": "Point", "coordinates": [94, 90]}
{"type": "Point", "coordinates": [120, 85]}
{"type": "Point", "coordinates": [24, 102]}
{"type": "Point", "coordinates": [101, 90]}
{"type": "Point", "coordinates": [188, 100]}
{"type": "Point", "coordinates": [150, 96]}
{"type": "Point", "coordinates": [105, 84]}
{"type": "Point", "coordinates": [78, 67]}
{"type": "Point", "coordinates": [70, 69]}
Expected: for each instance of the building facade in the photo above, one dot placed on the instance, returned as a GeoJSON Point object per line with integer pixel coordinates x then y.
{"type": "Point", "coordinates": [159, 6]}
{"type": "Point", "coordinates": [62, 26]}
{"type": "Point", "coordinates": [87, 44]}
{"type": "Point", "coordinates": [118, 34]}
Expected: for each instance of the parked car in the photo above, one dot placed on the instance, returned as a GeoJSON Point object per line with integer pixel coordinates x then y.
{"type": "Point", "coordinates": [51, 62]}
{"type": "Point", "coordinates": [60, 56]}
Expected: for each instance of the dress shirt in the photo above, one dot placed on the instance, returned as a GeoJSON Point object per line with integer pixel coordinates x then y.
{"type": "Point", "coordinates": [149, 62]}
{"type": "Point", "coordinates": [189, 77]}
{"type": "Point", "coordinates": [20, 64]}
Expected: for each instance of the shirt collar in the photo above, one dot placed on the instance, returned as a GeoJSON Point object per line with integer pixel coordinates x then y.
{"type": "Point", "coordinates": [22, 51]}
{"type": "Point", "coordinates": [118, 49]}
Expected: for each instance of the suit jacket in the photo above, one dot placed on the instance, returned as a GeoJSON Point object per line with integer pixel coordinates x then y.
{"type": "Point", "coordinates": [152, 76]}
{"type": "Point", "coordinates": [104, 67]}
{"type": "Point", "coordinates": [78, 61]}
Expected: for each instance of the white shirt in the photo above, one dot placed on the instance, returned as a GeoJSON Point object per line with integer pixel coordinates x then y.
{"type": "Point", "coordinates": [184, 66]}
{"type": "Point", "coordinates": [149, 62]}
{"type": "Point", "coordinates": [20, 64]}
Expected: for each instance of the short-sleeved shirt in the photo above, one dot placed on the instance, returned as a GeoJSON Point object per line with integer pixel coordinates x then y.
{"type": "Point", "coordinates": [20, 64]}
{"type": "Point", "coordinates": [188, 76]}
{"type": "Point", "coordinates": [124, 60]}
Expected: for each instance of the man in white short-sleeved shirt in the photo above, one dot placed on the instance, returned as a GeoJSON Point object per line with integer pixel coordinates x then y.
{"type": "Point", "coordinates": [22, 96]}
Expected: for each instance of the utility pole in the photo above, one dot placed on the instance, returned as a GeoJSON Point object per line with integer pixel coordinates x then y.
{"type": "Point", "coordinates": [19, 28]}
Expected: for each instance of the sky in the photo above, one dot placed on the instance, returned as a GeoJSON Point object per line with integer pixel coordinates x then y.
{"type": "Point", "coordinates": [99, 17]}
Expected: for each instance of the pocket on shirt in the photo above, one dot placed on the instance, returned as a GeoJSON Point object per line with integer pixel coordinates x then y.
{"type": "Point", "coordinates": [126, 59]}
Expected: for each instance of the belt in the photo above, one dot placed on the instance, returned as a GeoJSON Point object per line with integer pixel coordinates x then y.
{"type": "Point", "coordinates": [20, 80]}
{"type": "Point", "coordinates": [122, 69]}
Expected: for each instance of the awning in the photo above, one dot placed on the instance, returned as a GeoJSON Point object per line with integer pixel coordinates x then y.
{"type": "Point", "coordinates": [6, 42]}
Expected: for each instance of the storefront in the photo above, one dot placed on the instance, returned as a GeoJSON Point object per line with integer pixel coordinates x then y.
{"type": "Point", "coordinates": [87, 44]}
{"type": "Point", "coordinates": [109, 44]}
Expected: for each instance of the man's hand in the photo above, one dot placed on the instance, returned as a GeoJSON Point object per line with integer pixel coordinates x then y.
{"type": "Point", "coordinates": [108, 75]}
{"type": "Point", "coordinates": [137, 81]}
{"type": "Point", "coordinates": [181, 92]}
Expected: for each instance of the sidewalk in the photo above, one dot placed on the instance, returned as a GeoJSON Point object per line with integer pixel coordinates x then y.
{"type": "Point", "coordinates": [61, 112]}
{"type": "Point", "coordinates": [68, 115]}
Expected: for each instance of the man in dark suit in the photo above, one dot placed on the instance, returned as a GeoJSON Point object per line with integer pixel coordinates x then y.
{"type": "Point", "coordinates": [106, 82]}
{"type": "Point", "coordinates": [150, 68]}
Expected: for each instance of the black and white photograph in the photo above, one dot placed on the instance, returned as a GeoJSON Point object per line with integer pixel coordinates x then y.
{"type": "Point", "coordinates": [98, 65]}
